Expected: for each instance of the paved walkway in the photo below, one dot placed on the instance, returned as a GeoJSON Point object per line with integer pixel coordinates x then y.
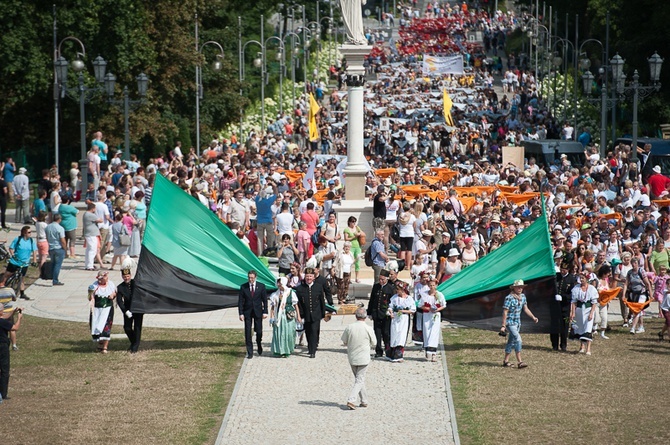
{"type": "Point", "coordinates": [302, 400]}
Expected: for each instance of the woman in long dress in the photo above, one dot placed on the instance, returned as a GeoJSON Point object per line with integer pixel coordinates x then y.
{"type": "Point", "coordinates": [283, 315]}
{"type": "Point", "coordinates": [101, 295]}
{"type": "Point", "coordinates": [582, 311]}
{"type": "Point", "coordinates": [402, 305]}
{"type": "Point", "coordinates": [431, 304]}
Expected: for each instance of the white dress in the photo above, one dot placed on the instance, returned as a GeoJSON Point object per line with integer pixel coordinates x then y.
{"type": "Point", "coordinates": [400, 321]}
{"type": "Point", "coordinates": [431, 321]}
{"type": "Point", "coordinates": [586, 302]}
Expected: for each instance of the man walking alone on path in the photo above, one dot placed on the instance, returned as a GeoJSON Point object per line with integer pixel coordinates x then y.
{"type": "Point", "coordinates": [358, 337]}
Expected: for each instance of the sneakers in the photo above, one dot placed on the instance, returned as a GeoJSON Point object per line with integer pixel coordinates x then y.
{"type": "Point", "coordinates": [59, 283]}
{"type": "Point", "coordinates": [602, 334]}
{"type": "Point", "coordinates": [632, 331]}
{"type": "Point", "coordinates": [640, 330]}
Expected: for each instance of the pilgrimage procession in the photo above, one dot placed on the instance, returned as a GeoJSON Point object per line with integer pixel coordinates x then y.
{"type": "Point", "coordinates": [427, 194]}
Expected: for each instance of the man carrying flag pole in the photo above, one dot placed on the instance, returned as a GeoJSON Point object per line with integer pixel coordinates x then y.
{"type": "Point", "coordinates": [446, 110]}
{"type": "Point", "coordinates": [313, 111]}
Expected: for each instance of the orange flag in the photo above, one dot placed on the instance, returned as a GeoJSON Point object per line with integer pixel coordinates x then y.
{"type": "Point", "coordinates": [431, 179]}
{"type": "Point", "coordinates": [661, 202]}
{"type": "Point", "coordinates": [607, 295]}
{"type": "Point", "coordinates": [636, 308]}
{"type": "Point", "coordinates": [508, 188]}
{"type": "Point", "coordinates": [468, 203]}
{"type": "Point", "coordinates": [385, 172]}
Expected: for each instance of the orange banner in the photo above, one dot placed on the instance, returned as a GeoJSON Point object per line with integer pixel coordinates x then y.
{"type": "Point", "coordinates": [320, 196]}
{"type": "Point", "coordinates": [636, 308]}
{"type": "Point", "coordinates": [385, 172]}
{"type": "Point", "coordinates": [431, 179]}
{"type": "Point", "coordinates": [605, 296]}
{"type": "Point", "coordinates": [615, 215]}
{"type": "Point", "coordinates": [415, 190]}
{"type": "Point", "coordinates": [292, 176]}
{"type": "Point", "coordinates": [474, 190]}
{"type": "Point", "coordinates": [468, 203]}
{"type": "Point", "coordinates": [508, 188]}
{"type": "Point", "coordinates": [661, 202]}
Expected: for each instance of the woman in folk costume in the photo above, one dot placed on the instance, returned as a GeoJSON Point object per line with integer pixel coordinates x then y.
{"type": "Point", "coordinates": [431, 304]}
{"type": "Point", "coordinates": [402, 305]}
{"type": "Point", "coordinates": [582, 311]}
{"type": "Point", "coordinates": [283, 315]}
{"type": "Point", "coordinates": [101, 296]}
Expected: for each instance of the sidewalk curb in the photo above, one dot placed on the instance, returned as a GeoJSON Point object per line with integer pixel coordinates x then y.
{"type": "Point", "coordinates": [229, 408]}
{"type": "Point", "coordinates": [450, 397]}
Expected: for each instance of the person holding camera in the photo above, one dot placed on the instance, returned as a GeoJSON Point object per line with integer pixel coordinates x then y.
{"type": "Point", "coordinates": [514, 303]}
{"type": "Point", "coordinates": [7, 326]}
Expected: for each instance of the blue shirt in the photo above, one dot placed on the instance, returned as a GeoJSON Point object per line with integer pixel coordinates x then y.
{"type": "Point", "coordinates": [38, 206]}
{"type": "Point", "coordinates": [23, 249]}
{"type": "Point", "coordinates": [9, 172]}
{"type": "Point", "coordinates": [514, 308]}
{"type": "Point", "coordinates": [377, 246]}
{"type": "Point", "coordinates": [55, 232]}
{"type": "Point", "coordinates": [264, 209]}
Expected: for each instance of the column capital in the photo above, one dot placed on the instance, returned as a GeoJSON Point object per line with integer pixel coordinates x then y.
{"type": "Point", "coordinates": [355, 80]}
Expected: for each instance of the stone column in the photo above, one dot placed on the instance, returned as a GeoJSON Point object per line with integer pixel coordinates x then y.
{"type": "Point", "coordinates": [356, 163]}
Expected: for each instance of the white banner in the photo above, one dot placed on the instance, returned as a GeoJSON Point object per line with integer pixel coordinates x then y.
{"type": "Point", "coordinates": [434, 65]}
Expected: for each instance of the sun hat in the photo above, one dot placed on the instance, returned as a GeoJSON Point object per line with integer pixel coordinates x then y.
{"type": "Point", "coordinates": [657, 169]}
{"type": "Point", "coordinates": [426, 233]}
{"type": "Point", "coordinates": [453, 252]}
{"type": "Point", "coordinates": [518, 283]}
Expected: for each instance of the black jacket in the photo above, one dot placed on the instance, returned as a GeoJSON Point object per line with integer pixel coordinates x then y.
{"type": "Point", "coordinates": [380, 297]}
{"type": "Point", "coordinates": [312, 301]}
{"type": "Point", "coordinates": [252, 305]}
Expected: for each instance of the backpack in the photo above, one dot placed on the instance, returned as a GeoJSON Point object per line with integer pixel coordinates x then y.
{"type": "Point", "coordinates": [316, 235]}
{"type": "Point", "coordinates": [368, 256]}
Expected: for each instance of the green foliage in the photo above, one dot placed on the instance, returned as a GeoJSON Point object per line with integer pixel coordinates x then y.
{"type": "Point", "coordinates": [156, 37]}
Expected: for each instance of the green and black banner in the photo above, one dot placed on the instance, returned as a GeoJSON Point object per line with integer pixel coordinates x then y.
{"type": "Point", "coordinates": [190, 260]}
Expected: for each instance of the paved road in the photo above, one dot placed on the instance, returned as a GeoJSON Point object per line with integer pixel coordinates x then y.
{"type": "Point", "coordinates": [302, 400]}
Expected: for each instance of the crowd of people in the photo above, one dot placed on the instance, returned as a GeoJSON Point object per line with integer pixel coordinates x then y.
{"type": "Point", "coordinates": [442, 200]}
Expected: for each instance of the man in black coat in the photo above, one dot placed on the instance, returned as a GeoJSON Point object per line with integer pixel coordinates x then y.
{"type": "Point", "coordinates": [132, 323]}
{"type": "Point", "coordinates": [559, 307]}
{"type": "Point", "coordinates": [312, 299]}
{"type": "Point", "coordinates": [252, 305]}
{"type": "Point", "coordinates": [380, 297]}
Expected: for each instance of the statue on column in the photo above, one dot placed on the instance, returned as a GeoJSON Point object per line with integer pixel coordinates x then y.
{"type": "Point", "coordinates": [353, 21]}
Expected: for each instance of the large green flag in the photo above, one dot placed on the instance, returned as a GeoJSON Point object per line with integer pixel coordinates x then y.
{"type": "Point", "coordinates": [476, 294]}
{"type": "Point", "coordinates": [190, 260]}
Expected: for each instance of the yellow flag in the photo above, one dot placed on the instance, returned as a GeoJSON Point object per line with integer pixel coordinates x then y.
{"type": "Point", "coordinates": [313, 111]}
{"type": "Point", "coordinates": [446, 108]}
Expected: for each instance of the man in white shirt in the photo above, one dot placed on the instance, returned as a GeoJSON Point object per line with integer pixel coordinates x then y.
{"type": "Point", "coordinates": [284, 221]}
{"type": "Point", "coordinates": [102, 212]}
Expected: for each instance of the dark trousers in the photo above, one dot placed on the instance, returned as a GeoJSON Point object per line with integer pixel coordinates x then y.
{"type": "Point", "coordinates": [382, 329]}
{"type": "Point", "coordinates": [3, 211]}
{"type": "Point", "coordinates": [133, 329]}
{"type": "Point", "coordinates": [4, 368]}
{"type": "Point", "coordinates": [560, 324]}
{"type": "Point", "coordinates": [258, 328]}
{"type": "Point", "coordinates": [312, 332]}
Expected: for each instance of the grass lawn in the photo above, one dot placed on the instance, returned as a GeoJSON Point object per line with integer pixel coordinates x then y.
{"type": "Point", "coordinates": [174, 391]}
{"type": "Point", "coordinates": [616, 396]}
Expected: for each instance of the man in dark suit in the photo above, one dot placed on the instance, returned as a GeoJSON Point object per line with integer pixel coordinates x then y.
{"type": "Point", "coordinates": [559, 307]}
{"type": "Point", "coordinates": [311, 297]}
{"type": "Point", "coordinates": [252, 306]}
{"type": "Point", "coordinates": [132, 323]}
{"type": "Point", "coordinates": [380, 297]}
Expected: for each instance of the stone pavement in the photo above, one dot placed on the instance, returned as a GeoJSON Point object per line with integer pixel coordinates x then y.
{"type": "Point", "coordinates": [302, 400]}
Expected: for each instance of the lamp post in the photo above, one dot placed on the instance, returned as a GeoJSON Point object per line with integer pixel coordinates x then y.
{"type": "Point", "coordinates": [142, 84]}
{"type": "Point", "coordinates": [558, 61]}
{"type": "Point", "coordinates": [83, 92]}
{"type": "Point", "coordinates": [216, 67]}
{"type": "Point", "coordinates": [260, 61]}
{"type": "Point", "coordinates": [638, 91]}
{"type": "Point", "coordinates": [587, 83]}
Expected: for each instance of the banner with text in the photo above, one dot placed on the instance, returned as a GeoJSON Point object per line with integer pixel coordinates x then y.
{"type": "Point", "coordinates": [435, 65]}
